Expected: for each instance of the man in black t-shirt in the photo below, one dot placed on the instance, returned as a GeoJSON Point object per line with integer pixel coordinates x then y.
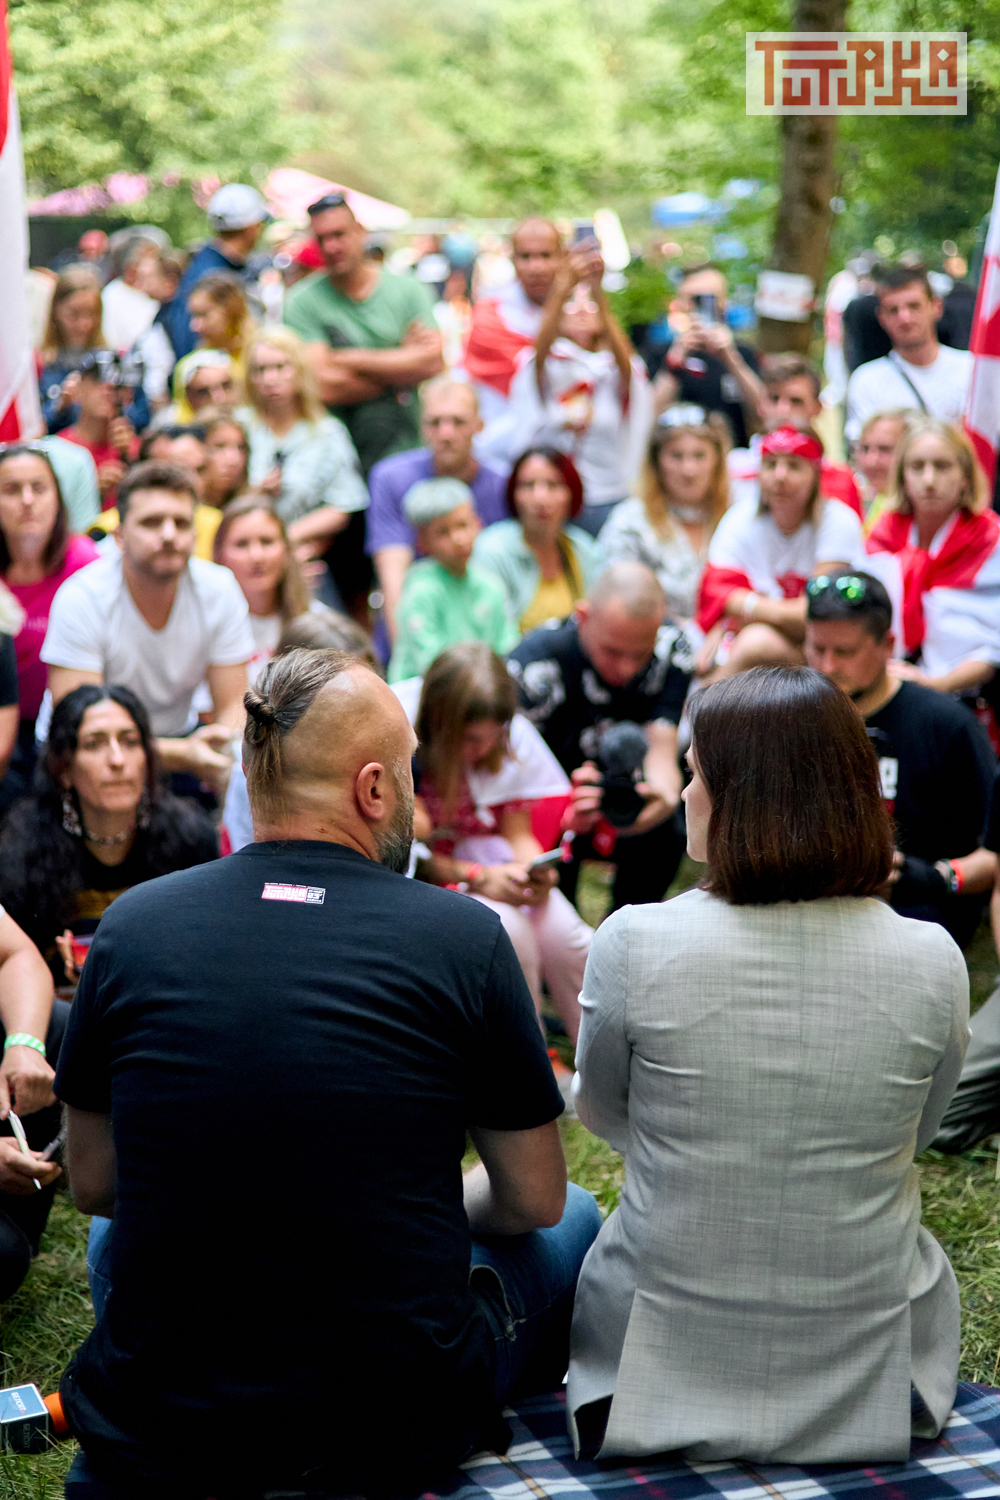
{"type": "Point", "coordinates": [935, 758]}
{"type": "Point", "coordinates": [614, 662]}
{"type": "Point", "coordinates": [974, 1111]}
{"type": "Point", "coordinates": [270, 1069]}
{"type": "Point", "coordinates": [705, 365]}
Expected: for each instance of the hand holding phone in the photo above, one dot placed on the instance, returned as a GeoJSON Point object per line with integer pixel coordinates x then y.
{"type": "Point", "coordinates": [546, 861]}
{"type": "Point", "coordinates": [22, 1141]}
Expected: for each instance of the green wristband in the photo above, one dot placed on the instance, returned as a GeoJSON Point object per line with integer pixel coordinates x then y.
{"type": "Point", "coordinates": [24, 1039]}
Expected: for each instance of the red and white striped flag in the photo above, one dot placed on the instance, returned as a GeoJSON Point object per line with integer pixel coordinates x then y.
{"type": "Point", "coordinates": [20, 411]}
{"type": "Point", "coordinates": [982, 406]}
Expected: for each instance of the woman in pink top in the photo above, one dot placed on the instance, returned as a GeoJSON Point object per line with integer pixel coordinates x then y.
{"type": "Point", "coordinates": [37, 554]}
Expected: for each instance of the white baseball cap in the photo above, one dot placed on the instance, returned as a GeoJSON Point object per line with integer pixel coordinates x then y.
{"type": "Point", "coordinates": [236, 206]}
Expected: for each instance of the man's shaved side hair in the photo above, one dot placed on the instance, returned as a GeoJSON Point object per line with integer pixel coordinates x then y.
{"type": "Point", "coordinates": [634, 586]}
{"type": "Point", "coordinates": [442, 385]}
{"type": "Point", "coordinates": [531, 222]}
{"type": "Point", "coordinates": [286, 692]}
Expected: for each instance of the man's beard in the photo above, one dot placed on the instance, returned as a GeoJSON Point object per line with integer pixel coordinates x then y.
{"type": "Point", "coordinates": [395, 843]}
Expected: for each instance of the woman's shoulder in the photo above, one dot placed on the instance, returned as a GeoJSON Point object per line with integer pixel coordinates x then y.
{"type": "Point", "coordinates": [500, 538]}
{"type": "Point", "coordinates": [585, 545]}
{"type": "Point", "coordinates": [80, 551]}
{"type": "Point", "coordinates": [181, 834]}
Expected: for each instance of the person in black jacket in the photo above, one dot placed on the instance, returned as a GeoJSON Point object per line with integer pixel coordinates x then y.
{"type": "Point", "coordinates": [96, 823]}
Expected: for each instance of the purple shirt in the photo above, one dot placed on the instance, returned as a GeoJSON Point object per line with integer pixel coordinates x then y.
{"type": "Point", "coordinates": [388, 482]}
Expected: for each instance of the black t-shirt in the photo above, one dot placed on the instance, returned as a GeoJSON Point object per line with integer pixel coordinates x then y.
{"type": "Point", "coordinates": [937, 768]}
{"type": "Point", "coordinates": [570, 705]}
{"type": "Point", "coordinates": [8, 672]}
{"type": "Point", "coordinates": [991, 836]}
{"type": "Point", "coordinates": [291, 1043]}
{"type": "Point", "coordinates": [705, 380]}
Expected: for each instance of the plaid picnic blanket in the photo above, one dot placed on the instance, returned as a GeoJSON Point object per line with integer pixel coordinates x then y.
{"type": "Point", "coordinates": [965, 1460]}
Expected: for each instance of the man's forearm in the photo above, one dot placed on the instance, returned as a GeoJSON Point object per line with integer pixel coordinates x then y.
{"type": "Point", "coordinates": [408, 365]}
{"type": "Point", "coordinates": [26, 994]}
{"type": "Point", "coordinates": [752, 388]}
{"type": "Point", "coordinates": [968, 674]}
{"type": "Point", "coordinates": [339, 384]}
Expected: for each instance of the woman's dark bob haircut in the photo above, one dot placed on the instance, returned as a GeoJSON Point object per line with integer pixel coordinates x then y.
{"type": "Point", "coordinates": [797, 809]}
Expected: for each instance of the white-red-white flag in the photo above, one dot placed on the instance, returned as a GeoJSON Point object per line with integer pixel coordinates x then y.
{"type": "Point", "coordinates": [20, 411]}
{"type": "Point", "coordinates": [982, 406]}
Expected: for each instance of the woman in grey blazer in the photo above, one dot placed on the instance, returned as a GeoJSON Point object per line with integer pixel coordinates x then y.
{"type": "Point", "coordinates": [768, 1052]}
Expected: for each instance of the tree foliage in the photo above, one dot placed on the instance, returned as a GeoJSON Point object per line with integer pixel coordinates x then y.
{"type": "Point", "coordinates": [495, 107]}
{"type": "Point", "coordinates": [188, 88]}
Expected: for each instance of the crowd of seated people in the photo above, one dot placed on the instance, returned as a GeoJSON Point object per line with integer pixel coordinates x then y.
{"type": "Point", "coordinates": [610, 628]}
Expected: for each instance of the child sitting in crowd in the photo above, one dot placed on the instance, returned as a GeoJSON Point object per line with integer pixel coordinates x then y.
{"type": "Point", "coordinates": [444, 599]}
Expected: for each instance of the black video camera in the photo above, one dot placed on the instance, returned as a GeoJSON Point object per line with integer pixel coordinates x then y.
{"type": "Point", "coordinates": [621, 755]}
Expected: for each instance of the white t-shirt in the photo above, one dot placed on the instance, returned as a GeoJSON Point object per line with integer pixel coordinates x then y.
{"type": "Point", "coordinates": [126, 313]}
{"type": "Point", "coordinates": [881, 385]}
{"type": "Point", "coordinates": [94, 626]}
{"type": "Point", "coordinates": [778, 565]}
{"type": "Point", "coordinates": [583, 416]}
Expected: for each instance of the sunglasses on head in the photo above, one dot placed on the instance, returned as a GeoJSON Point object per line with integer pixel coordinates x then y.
{"type": "Point", "coordinates": [328, 200]}
{"type": "Point", "coordinates": [853, 590]}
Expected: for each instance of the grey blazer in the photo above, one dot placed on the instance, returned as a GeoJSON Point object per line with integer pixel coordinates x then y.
{"type": "Point", "coordinates": [765, 1289]}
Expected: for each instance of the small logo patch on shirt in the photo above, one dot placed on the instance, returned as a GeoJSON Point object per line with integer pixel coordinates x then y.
{"type": "Point", "coordinates": [307, 895]}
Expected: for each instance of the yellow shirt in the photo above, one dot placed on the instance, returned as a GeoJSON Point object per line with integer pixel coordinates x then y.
{"type": "Point", "coordinates": [555, 598]}
{"type": "Point", "coordinates": [206, 524]}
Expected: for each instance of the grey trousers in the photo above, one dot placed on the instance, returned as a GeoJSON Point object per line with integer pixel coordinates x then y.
{"type": "Point", "coordinates": [974, 1111]}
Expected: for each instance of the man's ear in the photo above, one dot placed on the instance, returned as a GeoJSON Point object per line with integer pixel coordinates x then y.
{"type": "Point", "coordinates": [582, 611]}
{"type": "Point", "coordinates": [369, 790]}
{"type": "Point", "coordinates": [119, 543]}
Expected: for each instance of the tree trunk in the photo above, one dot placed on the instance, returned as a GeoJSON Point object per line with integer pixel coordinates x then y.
{"type": "Point", "coordinates": [802, 227]}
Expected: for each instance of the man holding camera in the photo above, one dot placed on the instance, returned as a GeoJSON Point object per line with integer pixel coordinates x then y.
{"type": "Point", "coordinates": [101, 425]}
{"type": "Point", "coordinates": [705, 365]}
{"type": "Point", "coordinates": [606, 690]}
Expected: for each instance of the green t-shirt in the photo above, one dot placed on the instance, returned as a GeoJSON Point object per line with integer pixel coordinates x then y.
{"type": "Point", "coordinates": [320, 314]}
{"type": "Point", "coordinates": [437, 610]}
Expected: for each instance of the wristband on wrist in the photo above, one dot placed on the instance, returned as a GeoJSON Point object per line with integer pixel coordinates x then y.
{"type": "Point", "coordinates": [958, 877]}
{"type": "Point", "coordinates": [749, 605]}
{"type": "Point", "coordinates": [24, 1039]}
{"type": "Point", "coordinates": [472, 874]}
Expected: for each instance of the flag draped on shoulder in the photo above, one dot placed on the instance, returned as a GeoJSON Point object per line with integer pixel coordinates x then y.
{"type": "Point", "coordinates": [20, 411]}
{"type": "Point", "coordinates": [982, 406]}
{"type": "Point", "coordinates": [946, 597]}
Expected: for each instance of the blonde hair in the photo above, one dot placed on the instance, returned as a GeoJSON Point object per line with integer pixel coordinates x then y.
{"type": "Point", "coordinates": [977, 497]}
{"type": "Point", "coordinates": [74, 279]}
{"type": "Point", "coordinates": [293, 595]}
{"type": "Point", "coordinates": [310, 408]}
{"type": "Point", "coordinates": [895, 414]}
{"type": "Point", "coordinates": [225, 290]}
{"type": "Point", "coordinates": [464, 685]}
{"type": "Point", "coordinates": [714, 430]}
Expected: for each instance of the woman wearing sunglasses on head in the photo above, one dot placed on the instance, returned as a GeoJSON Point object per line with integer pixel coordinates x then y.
{"type": "Point", "coordinates": [685, 494]}
{"type": "Point", "coordinates": [751, 602]}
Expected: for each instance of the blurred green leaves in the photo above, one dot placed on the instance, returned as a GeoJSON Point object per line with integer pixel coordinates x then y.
{"type": "Point", "coordinates": [192, 88]}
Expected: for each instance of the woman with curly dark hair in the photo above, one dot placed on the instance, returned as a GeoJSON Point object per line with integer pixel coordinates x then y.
{"type": "Point", "coordinates": [96, 823]}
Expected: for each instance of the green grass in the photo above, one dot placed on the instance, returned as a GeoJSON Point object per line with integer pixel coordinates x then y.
{"type": "Point", "coordinates": [51, 1314]}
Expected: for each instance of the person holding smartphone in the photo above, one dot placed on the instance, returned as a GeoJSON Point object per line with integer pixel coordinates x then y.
{"type": "Point", "coordinates": [480, 769]}
{"type": "Point", "coordinates": [704, 364]}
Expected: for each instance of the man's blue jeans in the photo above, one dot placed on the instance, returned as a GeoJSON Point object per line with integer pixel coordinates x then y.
{"type": "Point", "coordinates": [524, 1284]}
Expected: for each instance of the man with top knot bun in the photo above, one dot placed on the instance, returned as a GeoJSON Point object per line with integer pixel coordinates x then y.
{"type": "Point", "coordinates": [270, 1071]}
{"type": "Point", "coordinates": [751, 603]}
